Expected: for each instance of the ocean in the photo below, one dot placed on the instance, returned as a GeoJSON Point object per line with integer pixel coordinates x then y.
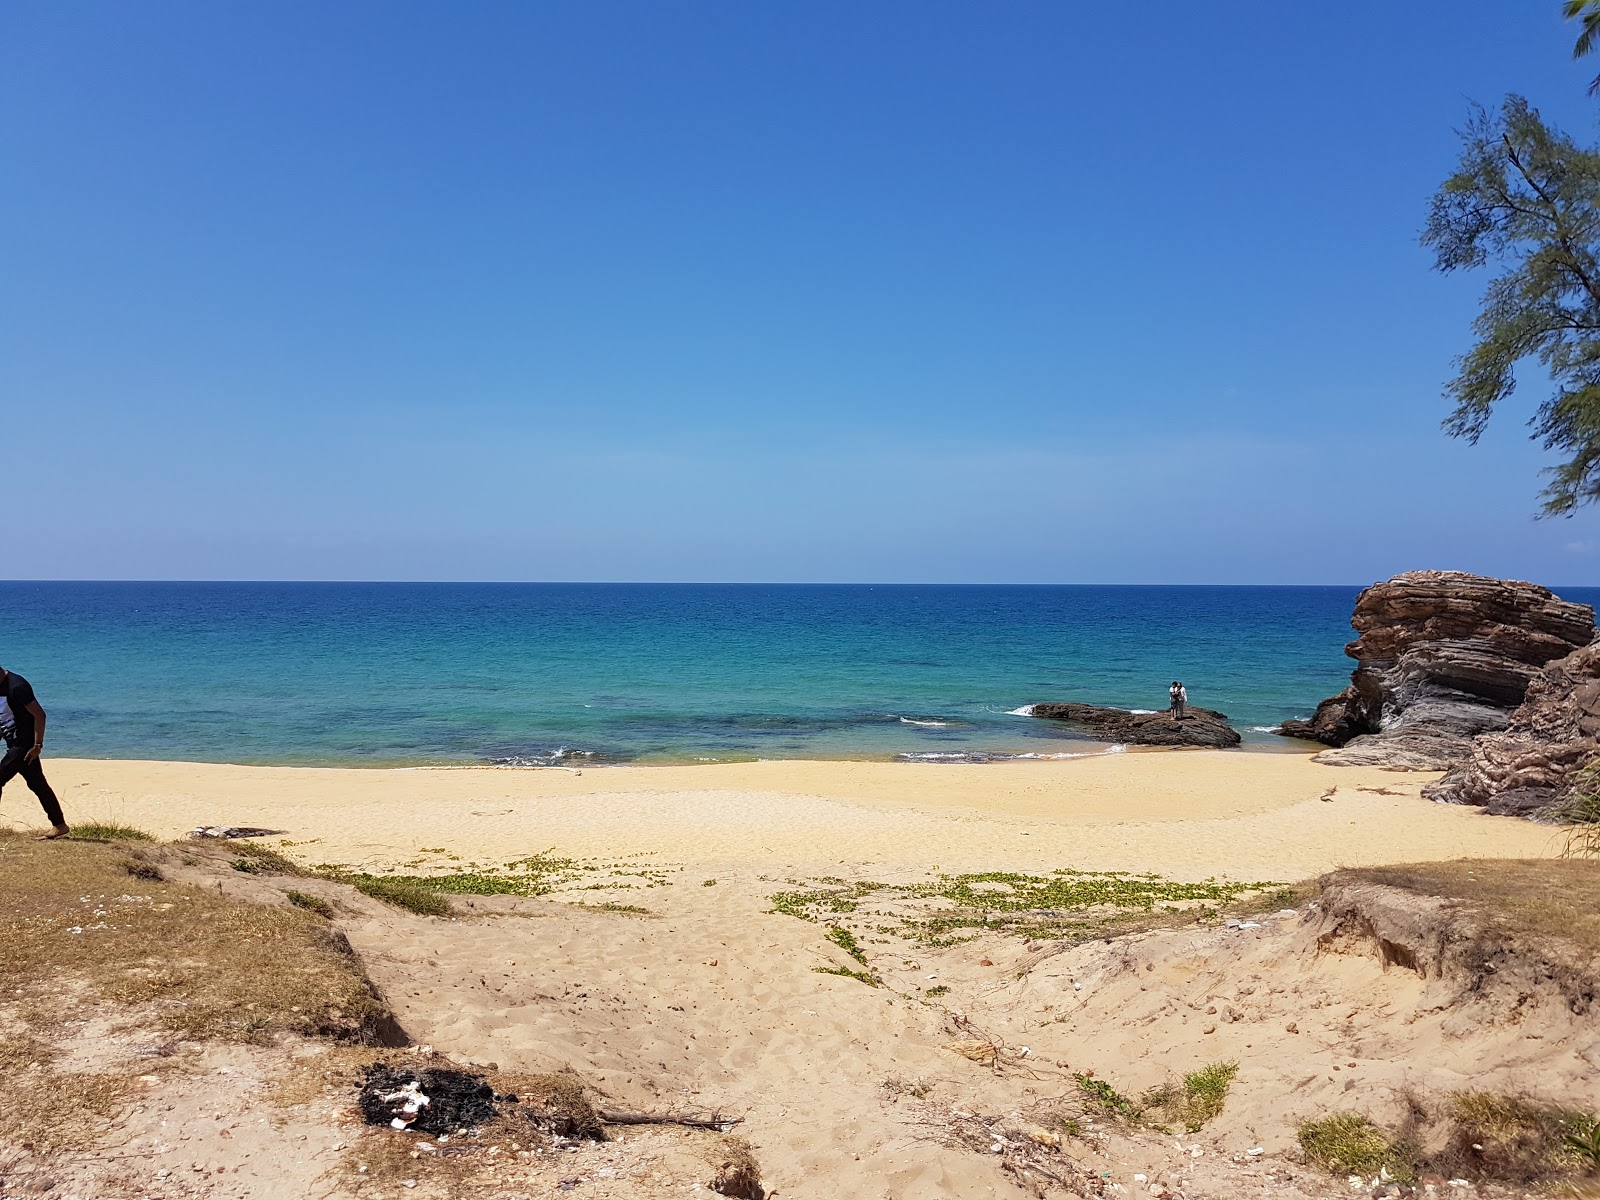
{"type": "Point", "coordinates": [577, 674]}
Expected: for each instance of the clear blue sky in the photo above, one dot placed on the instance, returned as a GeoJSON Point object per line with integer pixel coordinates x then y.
{"type": "Point", "coordinates": [754, 291]}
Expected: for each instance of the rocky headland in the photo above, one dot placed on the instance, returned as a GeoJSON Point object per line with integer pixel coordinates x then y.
{"type": "Point", "coordinates": [1199, 727]}
{"type": "Point", "coordinates": [1443, 658]}
{"type": "Point", "coordinates": [1525, 769]}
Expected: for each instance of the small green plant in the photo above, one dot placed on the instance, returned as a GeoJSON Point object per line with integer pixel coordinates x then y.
{"type": "Point", "coordinates": [315, 904]}
{"type": "Point", "coordinates": [709, 883]}
{"type": "Point", "coordinates": [1350, 1144]}
{"type": "Point", "coordinates": [937, 990]}
{"type": "Point", "coordinates": [1582, 1141]}
{"type": "Point", "coordinates": [1205, 1091]}
{"type": "Point", "coordinates": [846, 941]}
{"type": "Point", "coordinates": [863, 976]}
{"type": "Point", "coordinates": [105, 831]}
{"type": "Point", "coordinates": [1105, 1097]}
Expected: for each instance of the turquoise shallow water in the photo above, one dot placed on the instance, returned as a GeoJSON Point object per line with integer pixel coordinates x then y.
{"type": "Point", "coordinates": [538, 673]}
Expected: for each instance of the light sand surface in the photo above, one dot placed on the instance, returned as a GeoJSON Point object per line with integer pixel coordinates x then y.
{"type": "Point", "coordinates": [1186, 814]}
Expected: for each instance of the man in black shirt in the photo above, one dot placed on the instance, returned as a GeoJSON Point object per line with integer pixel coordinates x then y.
{"type": "Point", "coordinates": [22, 727]}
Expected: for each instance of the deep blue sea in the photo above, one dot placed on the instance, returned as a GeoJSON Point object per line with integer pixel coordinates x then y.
{"type": "Point", "coordinates": [374, 674]}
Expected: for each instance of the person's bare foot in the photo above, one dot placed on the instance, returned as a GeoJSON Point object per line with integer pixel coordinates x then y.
{"type": "Point", "coordinates": [60, 831]}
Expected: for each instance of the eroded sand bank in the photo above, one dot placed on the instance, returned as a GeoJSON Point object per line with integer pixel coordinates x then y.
{"type": "Point", "coordinates": [1186, 814]}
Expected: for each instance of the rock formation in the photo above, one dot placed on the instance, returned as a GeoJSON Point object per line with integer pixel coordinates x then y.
{"type": "Point", "coordinates": [1199, 727]}
{"type": "Point", "coordinates": [1443, 656]}
{"type": "Point", "coordinates": [1523, 771]}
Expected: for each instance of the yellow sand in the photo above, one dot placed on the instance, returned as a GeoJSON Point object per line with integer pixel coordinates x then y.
{"type": "Point", "coordinates": [1186, 814]}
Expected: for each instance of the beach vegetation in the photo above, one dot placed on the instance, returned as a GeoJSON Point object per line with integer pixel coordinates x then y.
{"type": "Point", "coordinates": [865, 977]}
{"type": "Point", "coordinates": [1350, 1144]}
{"type": "Point", "coordinates": [1581, 1141]}
{"type": "Point", "coordinates": [936, 991]}
{"type": "Point", "coordinates": [252, 859]}
{"type": "Point", "coordinates": [401, 891]}
{"type": "Point", "coordinates": [109, 831]}
{"type": "Point", "coordinates": [846, 941]}
{"type": "Point", "coordinates": [1197, 1100]}
{"type": "Point", "coordinates": [72, 939]}
{"type": "Point", "coordinates": [950, 909]}
{"type": "Point", "coordinates": [1101, 1095]}
{"type": "Point", "coordinates": [1550, 899]}
{"type": "Point", "coordinates": [1527, 197]}
{"type": "Point", "coordinates": [612, 906]}
{"type": "Point", "coordinates": [1580, 810]}
{"type": "Point", "coordinates": [1505, 1138]}
{"type": "Point", "coordinates": [312, 904]}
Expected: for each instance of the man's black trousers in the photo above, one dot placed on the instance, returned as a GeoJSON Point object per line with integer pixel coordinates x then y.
{"type": "Point", "coordinates": [32, 774]}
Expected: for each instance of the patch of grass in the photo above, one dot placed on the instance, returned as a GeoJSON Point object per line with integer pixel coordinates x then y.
{"type": "Point", "coordinates": [106, 831]}
{"type": "Point", "coordinates": [1580, 809]}
{"type": "Point", "coordinates": [259, 860]}
{"type": "Point", "coordinates": [1106, 1098]}
{"type": "Point", "coordinates": [536, 875]}
{"type": "Point", "coordinates": [1546, 897]}
{"type": "Point", "coordinates": [1503, 1138]}
{"type": "Point", "coordinates": [402, 891]}
{"type": "Point", "coordinates": [315, 904]}
{"type": "Point", "coordinates": [846, 941]}
{"type": "Point", "coordinates": [848, 973]}
{"type": "Point", "coordinates": [936, 991]}
{"type": "Point", "coordinates": [1205, 1091]}
{"type": "Point", "coordinates": [708, 883]}
{"type": "Point", "coordinates": [611, 906]}
{"type": "Point", "coordinates": [200, 965]}
{"type": "Point", "coordinates": [1350, 1144]}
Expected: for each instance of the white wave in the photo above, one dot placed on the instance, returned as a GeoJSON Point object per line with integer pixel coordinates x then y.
{"type": "Point", "coordinates": [1141, 712]}
{"type": "Point", "coordinates": [1025, 711]}
{"type": "Point", "coordinates": [925, 724]}
{"type": "Point", "coordinates": [1265, 728]}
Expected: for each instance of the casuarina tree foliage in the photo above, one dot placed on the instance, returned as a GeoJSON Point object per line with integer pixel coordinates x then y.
{"type": "Point", "coordinates": [1587, 13]}
{"type": "Point", "coordinates": [1527, 197]}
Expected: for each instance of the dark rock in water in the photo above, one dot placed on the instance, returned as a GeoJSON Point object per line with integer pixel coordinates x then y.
{"type": "Point", "coordinates": [1199, 727]}
{"type": "Point", "coordinates": [1524, 771]}
{"type": "Point", "coordinates": [1443, 656]}
{"type": "Point", "coordinates": [433, 1100]}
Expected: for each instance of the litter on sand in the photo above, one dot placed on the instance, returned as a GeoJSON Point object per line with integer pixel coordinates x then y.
{"type": "Point", "coordinates": [434, 1100]}
{"type": "Point", "coordinates": [233, 831]}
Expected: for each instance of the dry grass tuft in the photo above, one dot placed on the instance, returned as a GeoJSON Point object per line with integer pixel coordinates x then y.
{"type": "Point", "coordinates": [737, 1172]}
{"type": "Point", "coordinates": [213, 968]}
{"type": "Point", "coordinates": [1505, 1139]}
{"type": "Point", "coordinates": [107, 831]}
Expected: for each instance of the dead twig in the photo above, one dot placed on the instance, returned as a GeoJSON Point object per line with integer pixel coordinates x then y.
{"type": "Point", "coordinates": [715, 1121]}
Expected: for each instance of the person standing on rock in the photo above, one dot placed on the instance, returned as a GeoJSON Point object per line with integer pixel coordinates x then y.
{"type": "Point", "coordinates": [1180, 697]}
{"type": "Point", "coordinates": [22, 727]}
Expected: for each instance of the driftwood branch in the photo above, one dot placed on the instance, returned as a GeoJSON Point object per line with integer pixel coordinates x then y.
{"type": "Point", "coordinates": [714, 1121]}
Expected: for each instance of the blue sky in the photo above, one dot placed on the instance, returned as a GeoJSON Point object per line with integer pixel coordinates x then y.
{"type": "Point", "coordinates": [726, 291]}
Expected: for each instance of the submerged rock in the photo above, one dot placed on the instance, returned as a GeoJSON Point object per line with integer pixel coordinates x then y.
{"type": "Point", "coordinates": [1524, 770]}
{"type": "Point", "coordinates": [1199, 727]}
{"type": "Point", "coordinates": [1443, 657]}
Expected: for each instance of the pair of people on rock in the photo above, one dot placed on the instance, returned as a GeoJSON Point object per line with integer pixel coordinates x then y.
{"type": "Point", "coordinates": [1180, 697]}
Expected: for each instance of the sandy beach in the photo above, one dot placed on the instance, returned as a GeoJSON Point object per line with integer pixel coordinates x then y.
{"type": "Point", "coordinates": [1185, 814]}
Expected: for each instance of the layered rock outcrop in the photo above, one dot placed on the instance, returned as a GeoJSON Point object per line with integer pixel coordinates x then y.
{"type": "Point", "coordinates": [1523, 771]}
{"type": "Point", "coordinates": [1199, 727]}
{"type": "Point", "coordinates": [1442, 657]}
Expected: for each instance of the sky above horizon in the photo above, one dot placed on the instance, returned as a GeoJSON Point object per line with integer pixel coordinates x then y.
{"type": "Point", "coordinates": [1027, 292]}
